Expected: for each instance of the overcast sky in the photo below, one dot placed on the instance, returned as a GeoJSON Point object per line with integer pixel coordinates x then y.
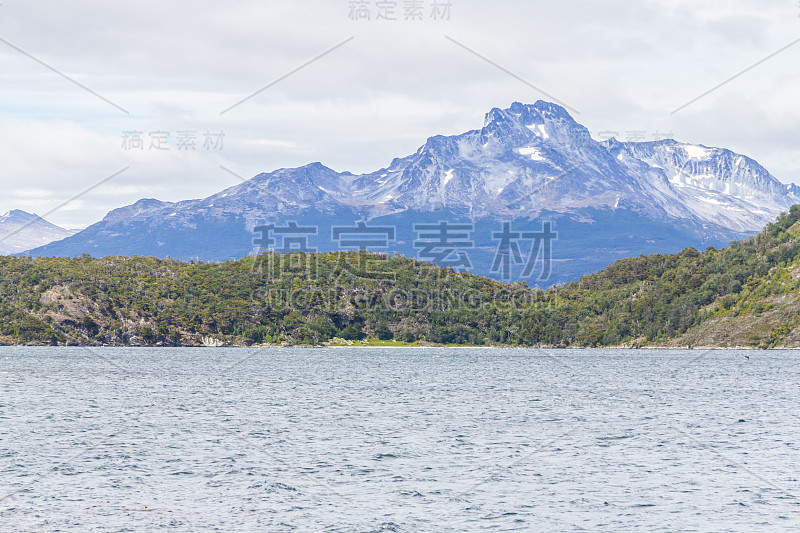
{"type": "Point", "coordinates": [174, 67]}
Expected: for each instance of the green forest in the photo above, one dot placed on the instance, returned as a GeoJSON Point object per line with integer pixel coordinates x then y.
{"type": "Point", "coordinates": [361, 297]}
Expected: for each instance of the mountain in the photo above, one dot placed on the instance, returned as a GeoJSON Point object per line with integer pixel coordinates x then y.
{"type": "Point", "coordinates": [746, 295]}
{"type": "Point", "coordinates": [20, 231]}
{"type": "Point", "coordinates": [527, 166]}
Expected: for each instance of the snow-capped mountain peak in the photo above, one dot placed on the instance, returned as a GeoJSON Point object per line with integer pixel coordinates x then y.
{"type": "Point", "coordinates": [20, 231]}
{"type": "Point", "coordinates": [539, 122]}
{"type": "Point", "coordinates": [17, 216]}
{"type": "Point", "coordinates": [717, 185]}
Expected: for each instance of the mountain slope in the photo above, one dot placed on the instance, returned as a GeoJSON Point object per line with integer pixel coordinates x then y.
{"type": "Point", "coordinates": [744, 295]}
{"type": "Point", "coordinates": [715, 184]}
{"type": "Point", "coordinates": [20, 231]}
{"type": "Point", "coordinates": [528, 164]}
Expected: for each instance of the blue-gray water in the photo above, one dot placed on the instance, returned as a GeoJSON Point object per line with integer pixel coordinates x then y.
{"type": "Point", "coordinates": [398, 440]}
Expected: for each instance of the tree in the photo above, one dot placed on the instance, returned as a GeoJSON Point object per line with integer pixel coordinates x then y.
{"type": "Point", "coordinates": [383, 332]}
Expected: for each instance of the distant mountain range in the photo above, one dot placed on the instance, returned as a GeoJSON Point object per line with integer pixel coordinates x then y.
{"type": "Point", "coordinates": [528, 165]}
{"type": "Point", "coordinates": [20, 231]}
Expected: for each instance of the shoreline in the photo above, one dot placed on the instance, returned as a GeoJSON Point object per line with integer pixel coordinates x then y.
{"type": "Point", "coordinates": [417, 347]}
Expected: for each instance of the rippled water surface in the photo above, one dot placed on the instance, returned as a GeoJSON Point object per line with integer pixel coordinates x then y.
{"type": "Point", "coordinates": [398, 440]}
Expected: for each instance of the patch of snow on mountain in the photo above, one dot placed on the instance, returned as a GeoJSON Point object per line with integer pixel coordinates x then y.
{"type": "Point", "coordinates": [696, 152]}
{"type": "Point", "coordinates": [532, 151]}
{"type": "Point", "coordinates": [539, 130]}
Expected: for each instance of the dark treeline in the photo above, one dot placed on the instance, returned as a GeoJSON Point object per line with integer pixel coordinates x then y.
{"type": "Point", "coordinates": [310, 299]}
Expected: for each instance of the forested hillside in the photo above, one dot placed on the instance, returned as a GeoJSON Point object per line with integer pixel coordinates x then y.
{"type": "Point", "coordinates": [746, 294]}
